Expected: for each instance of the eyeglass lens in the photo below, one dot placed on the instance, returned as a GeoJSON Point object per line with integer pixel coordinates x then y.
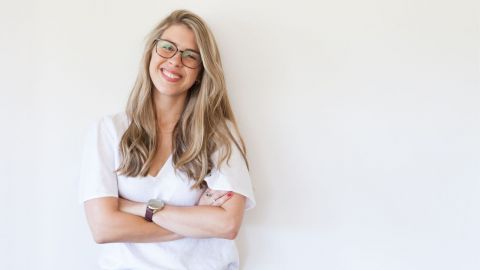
{"type": "Point", "coordinates": [167, 49]}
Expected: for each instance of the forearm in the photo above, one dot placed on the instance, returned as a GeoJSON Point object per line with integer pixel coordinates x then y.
{"type": "Point", "coordinates": [197, 221]}
{"type": "Point", "coordinates": [109, 225]}
{"type": "Point", "coordinates": [124, 227]}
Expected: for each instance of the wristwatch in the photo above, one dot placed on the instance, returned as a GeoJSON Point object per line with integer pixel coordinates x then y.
{"type": "Point", "coordinates": [153, 207]}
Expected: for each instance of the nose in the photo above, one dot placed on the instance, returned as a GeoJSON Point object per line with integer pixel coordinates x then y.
{"type": "Point", "coordinates": [176, 59]}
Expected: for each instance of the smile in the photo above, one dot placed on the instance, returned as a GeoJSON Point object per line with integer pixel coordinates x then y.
{"type": "Point", "coordinates": [169, 76]}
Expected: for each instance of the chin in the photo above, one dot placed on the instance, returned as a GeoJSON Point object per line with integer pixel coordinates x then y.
{"type": "Point", "coordinates": [171, 92]}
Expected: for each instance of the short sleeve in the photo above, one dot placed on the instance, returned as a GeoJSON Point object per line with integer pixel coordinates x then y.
{"type": "Point", "coordinates": [97, 174]}
{"type": "Point", "coordinates": [233, 176]}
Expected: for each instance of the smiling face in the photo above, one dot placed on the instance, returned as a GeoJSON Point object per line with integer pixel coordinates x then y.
{"type": "Point", "coordinates": [169, 76]}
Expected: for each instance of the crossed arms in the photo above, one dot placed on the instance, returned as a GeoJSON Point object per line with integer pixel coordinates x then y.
{"type": "Point", "coordinates": [114, 219]}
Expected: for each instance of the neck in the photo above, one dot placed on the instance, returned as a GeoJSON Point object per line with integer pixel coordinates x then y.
{"type": "Point", "coordinates": [168, 109]}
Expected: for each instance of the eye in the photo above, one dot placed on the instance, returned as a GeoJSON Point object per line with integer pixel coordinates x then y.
{"type": "Point", "coordinates": [191, 55]}
{"type": "Point", "coordinates": [167, 46]}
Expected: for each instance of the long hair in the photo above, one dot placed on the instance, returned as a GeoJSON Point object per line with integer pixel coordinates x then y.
{"type": "Point", "coordinates": [205, 125]}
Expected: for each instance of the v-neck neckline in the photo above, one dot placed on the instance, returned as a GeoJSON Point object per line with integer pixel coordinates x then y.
{"type": "Point", "coordinates": [163, 168]}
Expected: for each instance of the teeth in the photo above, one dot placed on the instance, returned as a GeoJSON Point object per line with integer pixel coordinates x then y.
{"type": "Point", "coordinates": [170, 75]}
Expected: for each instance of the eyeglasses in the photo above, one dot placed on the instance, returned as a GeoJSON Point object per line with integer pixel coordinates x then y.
{"type": "Point", "coordinates": [168, 49]}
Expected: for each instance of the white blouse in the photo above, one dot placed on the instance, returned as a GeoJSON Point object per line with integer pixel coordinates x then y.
{"type": "Point", "coordinates": [101, 157]}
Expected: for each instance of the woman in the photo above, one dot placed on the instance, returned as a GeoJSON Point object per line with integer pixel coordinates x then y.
{"type": "Point", "coordinates": [165, 184]}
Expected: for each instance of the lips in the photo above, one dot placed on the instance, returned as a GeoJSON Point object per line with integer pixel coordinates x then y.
{"type": "Point", "coordinates": [169, 75]}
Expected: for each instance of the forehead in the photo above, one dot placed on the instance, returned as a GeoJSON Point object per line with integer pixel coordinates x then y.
{"type": "Point", "coordinates": [181, 35]}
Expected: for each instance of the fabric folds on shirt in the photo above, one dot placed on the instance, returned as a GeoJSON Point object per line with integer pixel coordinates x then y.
{"type": "Point", "coordinates": [100, 159]}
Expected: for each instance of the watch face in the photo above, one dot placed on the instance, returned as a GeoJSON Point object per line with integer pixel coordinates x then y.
{"type": "Point", "coordinates": [154, 204]}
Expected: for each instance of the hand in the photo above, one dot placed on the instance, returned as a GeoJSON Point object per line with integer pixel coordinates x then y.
{"type": "Point", "coordinates": [131, 207]}
{"type": "Point", "coordinates": [214, 197]}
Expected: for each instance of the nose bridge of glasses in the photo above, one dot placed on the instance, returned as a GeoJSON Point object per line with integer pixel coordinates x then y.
{"type": "Point", "coordinates": [178, 52]}
{"type": "Point", "coordinates": [175, 58]}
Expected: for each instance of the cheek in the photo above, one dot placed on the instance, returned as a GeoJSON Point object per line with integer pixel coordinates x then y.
{"type": "Point", "coordinates": [155, 61]}
{"type": "Point", "coordinates": [152, 67]}
{"type": "Point", "coordinates": [194, 75]}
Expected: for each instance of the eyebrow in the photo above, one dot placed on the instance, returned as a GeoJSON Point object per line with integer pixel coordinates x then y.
{"type": "Point", "coordinates": [188, 49]}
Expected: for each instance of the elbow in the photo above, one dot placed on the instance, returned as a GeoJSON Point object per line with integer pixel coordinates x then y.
{"type": "Point", "coordinates": [231, 235]}
{"type": "Point", "coordinates": [101, 214]}
{"type": "Point", "coordinates": [102, 231]}
{"type": "Point", "coordinates": [100, 236]}
{"type": "Point", "coordinates": [231, 229]}
{"type": "Point", "coordinates": [100, 240]}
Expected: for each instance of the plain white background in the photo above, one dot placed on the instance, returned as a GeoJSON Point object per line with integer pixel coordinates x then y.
{"type": "Point", "coordinates": [361, 120]}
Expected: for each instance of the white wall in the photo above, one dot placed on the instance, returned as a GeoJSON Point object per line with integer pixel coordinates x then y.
{"type": "Point", "coordinates": [361, 120]}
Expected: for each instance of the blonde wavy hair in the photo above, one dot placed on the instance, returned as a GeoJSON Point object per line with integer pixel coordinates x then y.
{"type": "Point", "coordinates": [202, 128]}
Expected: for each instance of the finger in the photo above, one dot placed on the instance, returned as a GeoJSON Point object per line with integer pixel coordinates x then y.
{"type": "Point", "coordinates": [217, 194]}
{"type": "Point", "coordinates": [208, 193]}
{"type": "Point", "coordinates": [206, 197]}
{"type": "Point", "coordinates": [220, 201]}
